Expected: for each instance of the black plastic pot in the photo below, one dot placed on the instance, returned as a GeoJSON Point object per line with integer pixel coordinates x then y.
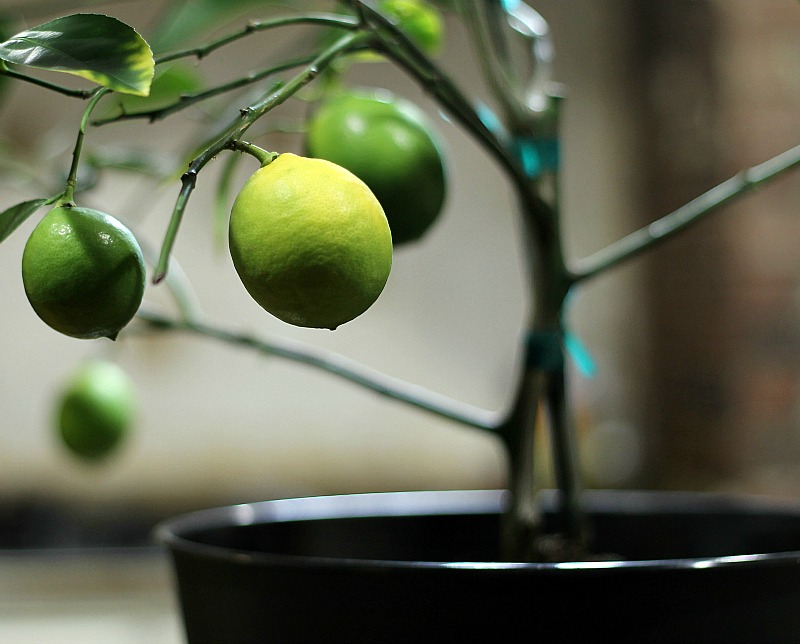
{"type": "Point", "coordinates": [419, 567]}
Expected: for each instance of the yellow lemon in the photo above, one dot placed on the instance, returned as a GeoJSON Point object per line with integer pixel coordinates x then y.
{"type": "Point", "coordinates": [310, 242]}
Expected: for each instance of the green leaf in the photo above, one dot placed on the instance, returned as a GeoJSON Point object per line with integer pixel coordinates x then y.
{"type": "Point", "coordinates": [99, 48]}
{"type": "Point", "coordinates": [11, 218]}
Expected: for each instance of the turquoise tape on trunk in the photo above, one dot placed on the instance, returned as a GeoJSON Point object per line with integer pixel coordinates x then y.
{"type": "Point", "coordinates": [545, 351]}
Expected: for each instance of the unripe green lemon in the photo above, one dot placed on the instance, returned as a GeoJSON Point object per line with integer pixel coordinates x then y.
{"type": "Point", "coordinates": [83, 272]}
{"type": "Point", "coordinates": [387, 143]}
{"type": "Point", "coordinates": [418, 19]}
{"type": "Point", "coordinates": [310, 242]}
{"type": "Point", "coordinates": [96, 409]}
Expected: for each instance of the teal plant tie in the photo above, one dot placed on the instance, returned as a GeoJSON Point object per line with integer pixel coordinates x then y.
{"type": "Point", "coordinates": [491, 120]}
{"type": "Point", "coordinates": [537, 155]}
{"type": "Point", "coordinates": [575, 347]}
{"type": "Point", "coordinates": [580, 355]}
{"type": "Point", "coordinates": [544, 351]}
{"type": "Point", "coordinates": [509, 5]}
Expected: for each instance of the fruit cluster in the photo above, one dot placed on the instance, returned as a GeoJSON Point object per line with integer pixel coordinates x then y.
{"type": "Point", "coordinates": [311, 238]}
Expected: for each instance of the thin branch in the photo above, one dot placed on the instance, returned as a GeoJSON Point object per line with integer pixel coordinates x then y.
{"type": "Point", "coordinates": [188, 100]}
{"type": "Point", "coordinates": [324, 19]}
{"type": "Point", "coordinates": [492, 49]}
{"type": "Point", "coordinates": [691, 213]}
{"type": "Point", "coordinates": [66, 91]}
{"type": "Point", "coordinates": [337, 365]}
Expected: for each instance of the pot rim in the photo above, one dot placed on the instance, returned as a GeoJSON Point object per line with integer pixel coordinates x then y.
{"type": "Point", "coordinates": [464, 502]}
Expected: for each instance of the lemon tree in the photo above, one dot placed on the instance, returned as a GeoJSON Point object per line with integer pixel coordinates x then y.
{"type": "Point", "coordinates": [388, 143]}
{"type": "Point", "coordinates": [83, 272]}
{"type": "Point", "coordinates": [96, 409]}
{"type": "Point", "coordinates": [310, 242]}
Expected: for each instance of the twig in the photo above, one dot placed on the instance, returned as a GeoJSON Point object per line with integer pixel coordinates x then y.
{"type": "Point", "coordinates": [74, 93]}
{"type": "Point", "coordinates": [688, 214]}
{"type": "Point", "coordinates": [188, 100]}
{"type": "Point", "coordinates": [325, 19]}
{"type": "Point", "coordinates": [337, 365]}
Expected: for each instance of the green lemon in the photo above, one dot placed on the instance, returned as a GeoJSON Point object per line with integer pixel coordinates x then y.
{"type": "Point", "coordinates": [310, 242]}
{"type": "Point", "coordinates": [386, 142]}
{"type": "Point", "coordinates": [96, 409]}
{"type": "Point", "coordinates": [418, 19]}
{"type": "Point", "coordinates": [83, 272]}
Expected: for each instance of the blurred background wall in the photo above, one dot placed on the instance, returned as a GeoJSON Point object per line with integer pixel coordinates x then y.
{"type": "Point", "coordinates": [695, 347]}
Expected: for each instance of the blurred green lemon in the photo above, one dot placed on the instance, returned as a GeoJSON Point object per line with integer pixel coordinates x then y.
{"type": "Point", "coordinates": [388, 143]}
{"type": "Point", "coordinates": [310, 242]}
{"type": "Point", "coordinates": [418, 19]}
{"type": "Point", "coordinates": [96, 410]}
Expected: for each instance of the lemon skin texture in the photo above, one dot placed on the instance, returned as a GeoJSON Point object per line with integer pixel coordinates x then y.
{"type": "Point", "coordinates": [83, 272]}
{"type": "Point", "coordinates": [96, 410]}
{"type": "Point", "coordinates": [386, 142]}
{"type": "Point", "coordinates": [310, 242]}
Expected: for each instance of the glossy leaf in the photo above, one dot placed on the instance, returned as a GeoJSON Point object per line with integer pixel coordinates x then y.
{"type": "Point", "coordinates": [96, 47]}
{"type": "Point", "coordinates": [11, 218]}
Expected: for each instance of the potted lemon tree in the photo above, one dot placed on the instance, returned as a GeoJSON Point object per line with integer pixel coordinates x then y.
{"type": "Point", "coordinates": [311, 235]}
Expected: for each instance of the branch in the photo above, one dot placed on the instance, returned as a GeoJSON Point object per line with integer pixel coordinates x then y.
{"type": "Point", "coordinates": [188, 100]}
{"type": "Point", "coordinates": [397, 46]}
{"type": "Point", "coordinates": [74, 93]}
{"type": "Point", "coordinates": [403, 51]}
{"type": "Point", "coordinates": [337, 365]}
{"type": "Point", "coordinates": [691, 213]}
{"type": "Point", "coordinates": [327, 19]}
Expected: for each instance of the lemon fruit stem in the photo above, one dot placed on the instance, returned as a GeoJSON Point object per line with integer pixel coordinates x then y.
{"type": "Point", "coordinates": [67, 199]}
{"type": "Point", "coordinates": [264, 157]}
